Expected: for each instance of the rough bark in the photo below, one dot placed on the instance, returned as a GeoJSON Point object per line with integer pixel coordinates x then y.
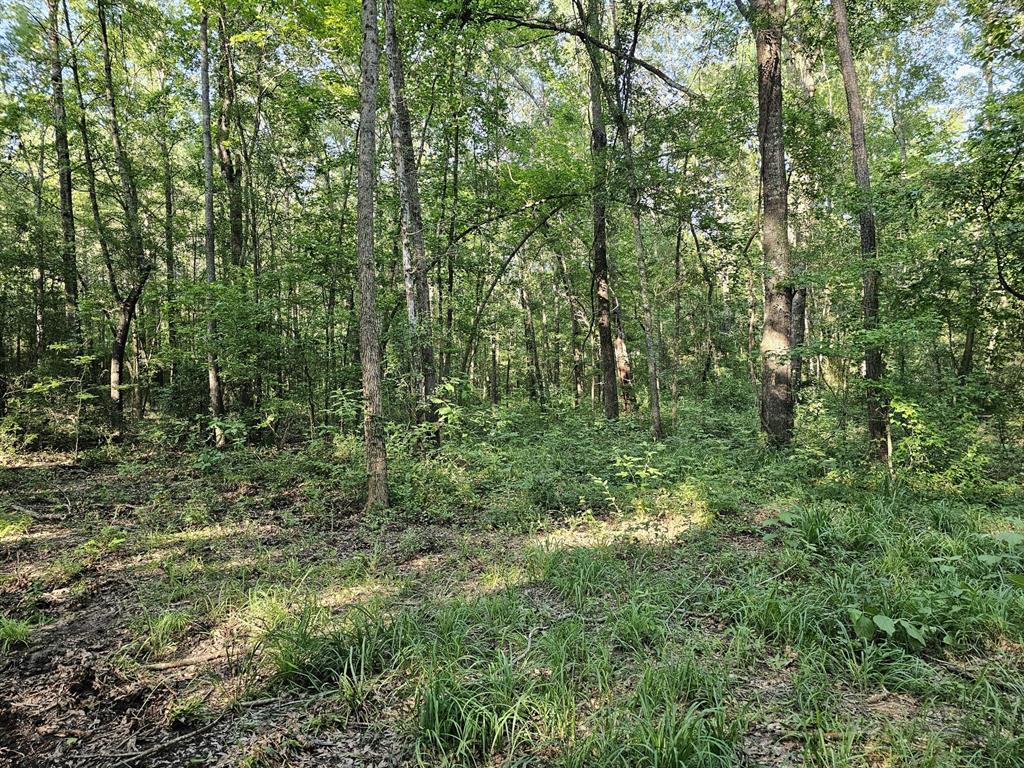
{"type": "Point", "coordinates": [414, 256]}
{"type": "Point", "coordinates": [799, 322]}
{"type": "Point", "coordinates": [213, 367]}
{"type": "Point", "coordinates": [69, 261]}
{"type": "Point", "coordinates": [602, 283]}
{"type": "Point", "coordinates": [777, 403]}
{"type": "Point", "coordinates": [228, 157]}
{"type": "Point", "coordinates": [873, 365]}
{"type": "Point", "coordinates": [369, 327]}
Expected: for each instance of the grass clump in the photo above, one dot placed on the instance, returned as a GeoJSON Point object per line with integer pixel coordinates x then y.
{"type": "Point", "coordinates": [13, 632]}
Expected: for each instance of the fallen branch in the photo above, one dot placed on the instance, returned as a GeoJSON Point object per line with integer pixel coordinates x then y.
{"type": "Point", "coordinates": [127, 758]}
{"type": "Point", "coordinates": [186, 662]}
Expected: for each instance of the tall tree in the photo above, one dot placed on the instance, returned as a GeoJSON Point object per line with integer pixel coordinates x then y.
{"type": "Point", "coordinates": [414, 258]}
{"type": "Point", "coordinates": [128, 302]}
{"type": "Point", "coordinates": [599, 196]}
{"type": "Point", "coordinates": [227, 153]}
{"type": "Point", "coordinates": [69, 260]}
{"type": "Point", "coordinates": [213, 367]}
{"type": "Point", "coordinates": [369, 326]}
{"type": "Point", "coordinates": [620, 100]}
{"type": "Point", "coordinates": [873, 365]}
{"type": "Point", "coordinates": [777, 402]}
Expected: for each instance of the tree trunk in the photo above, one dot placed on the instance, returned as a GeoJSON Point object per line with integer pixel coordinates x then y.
{"type": "Point", "coordinates": [777, 404]}
{"type": "Point", "coordinates": [216, 390]}
{"type": "Point", "coordinates": [493, 390]}
{"type": "Point", "coordinates": [623, 364]}
{"type": "Point", "coordinates": [69, 260]}
{"type": "Point", "coordinates": [576, 315]}
{"type": "Point", "coordinates": [369, 328]}
{"type": "Point", "coordinates": [136, 249]}
{"type": "Point", "coordinates": [172, 320]}
{"type": "Point", "coordinates": [227, 155]}
{"type": "Point", "coordinates": [90, 169]}
{"type": "Point", "coordinates": [413, 249]}
{"type": "Point", "coordinates": [797, 335]}
{"type": "Point", "coordinates": [599, 163]}
{"type": "Point", "coordinates": [873, 365]}
{"type": "Point", "coordinates": [619, 101]}
{"type": "Point", "coordinates": [534, 378]}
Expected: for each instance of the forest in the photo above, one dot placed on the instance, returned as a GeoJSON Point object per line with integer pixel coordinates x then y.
{"type": "Point", "coordinates": [507, 383]}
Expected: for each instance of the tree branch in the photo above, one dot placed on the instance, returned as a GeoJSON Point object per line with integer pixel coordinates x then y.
{"type": "Point", "coordinates": [552, 26]}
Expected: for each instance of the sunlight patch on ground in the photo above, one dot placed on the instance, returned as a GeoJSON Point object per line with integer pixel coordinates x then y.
{"type": "Point", "coordinates": [667, 515]}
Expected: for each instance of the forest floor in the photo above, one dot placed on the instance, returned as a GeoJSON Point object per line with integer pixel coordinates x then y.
{"type": "Point", "coordinates": [160, 608]}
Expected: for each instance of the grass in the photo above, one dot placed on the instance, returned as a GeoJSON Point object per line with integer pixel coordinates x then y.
{"type": "Point", "coordinates": [13, 632]}
{"type": "Point", "coordinates": [560, 591]}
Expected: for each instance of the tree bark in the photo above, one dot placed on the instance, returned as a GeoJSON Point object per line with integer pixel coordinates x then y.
{"type": "Point", "coordinates": [873, 364]}
{"type": "Point", "coordinates": [534, 378]}
{"type": "Point", "coordinates": [213, 367]}
{"type": "Point", "coordinates": [599, 164]}
{"type": "Point", "coordinates": [777, 403]}
{"type": "Point", "coordinates": [369, 327]}
{"type": "Point", "coordinates": [69, 261]}
{"type": "Point", "coordinates": [228, 157]}
{"type": "Point", "coordinates": [414, 256]}
{"type": "Point", "coordinates": [799, 322]}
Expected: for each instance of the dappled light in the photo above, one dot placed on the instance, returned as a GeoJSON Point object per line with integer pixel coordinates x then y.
{"type": "Point", "coordinates": [511, 384]}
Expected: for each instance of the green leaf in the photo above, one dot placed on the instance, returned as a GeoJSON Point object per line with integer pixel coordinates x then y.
{"type": "Point", "coordinates": [1017, 579]}
{"type": "Point", "coordinates": [990, 559]}
{"type": "Point", "coordinates": [885, 624]}
{"type": "Point", "coordinates": [1009, 538]}
{"type": "Point", "coordinates": [913, 631]}
{"type": "Point", "coordinates": [863, 627]}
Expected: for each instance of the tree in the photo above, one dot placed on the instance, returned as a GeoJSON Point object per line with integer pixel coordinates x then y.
{"type": "Point", "coordinates": [213, 368]}
{"type": "Point", "coordinates": [777, 403]}
{"type": "Point", "coordinates": [67, 215]}
{"type": "Point", "coordinates": [143, 265]}
{"type": "Point", "coordinates": [369, 324]}
{"type": "Point", "coordinates": [414, 258]}
{"type": "Point", "coordinates": [599, 166]}
{"type": "Point", "coordinates": [873, 366]}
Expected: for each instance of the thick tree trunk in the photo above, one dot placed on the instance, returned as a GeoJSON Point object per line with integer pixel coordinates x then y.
{"type": "Point", "coordinates": [413, 248]}
{"type": "Point", "coordinates": [777, 403]}
{"type": "Point", "coordinates": [602, 283]}
{"type": "Point", "coordinates": [69, 261]}
{"type": "Point", "coordinates": [873, 365]}
{"type": "Point", "coordinates": [369, 327]}
{"type": "Point", "coordinates": [213, 367]}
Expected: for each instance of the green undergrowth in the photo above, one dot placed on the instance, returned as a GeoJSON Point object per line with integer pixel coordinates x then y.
{"type": "Point", "coordinates": [551, 589]}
